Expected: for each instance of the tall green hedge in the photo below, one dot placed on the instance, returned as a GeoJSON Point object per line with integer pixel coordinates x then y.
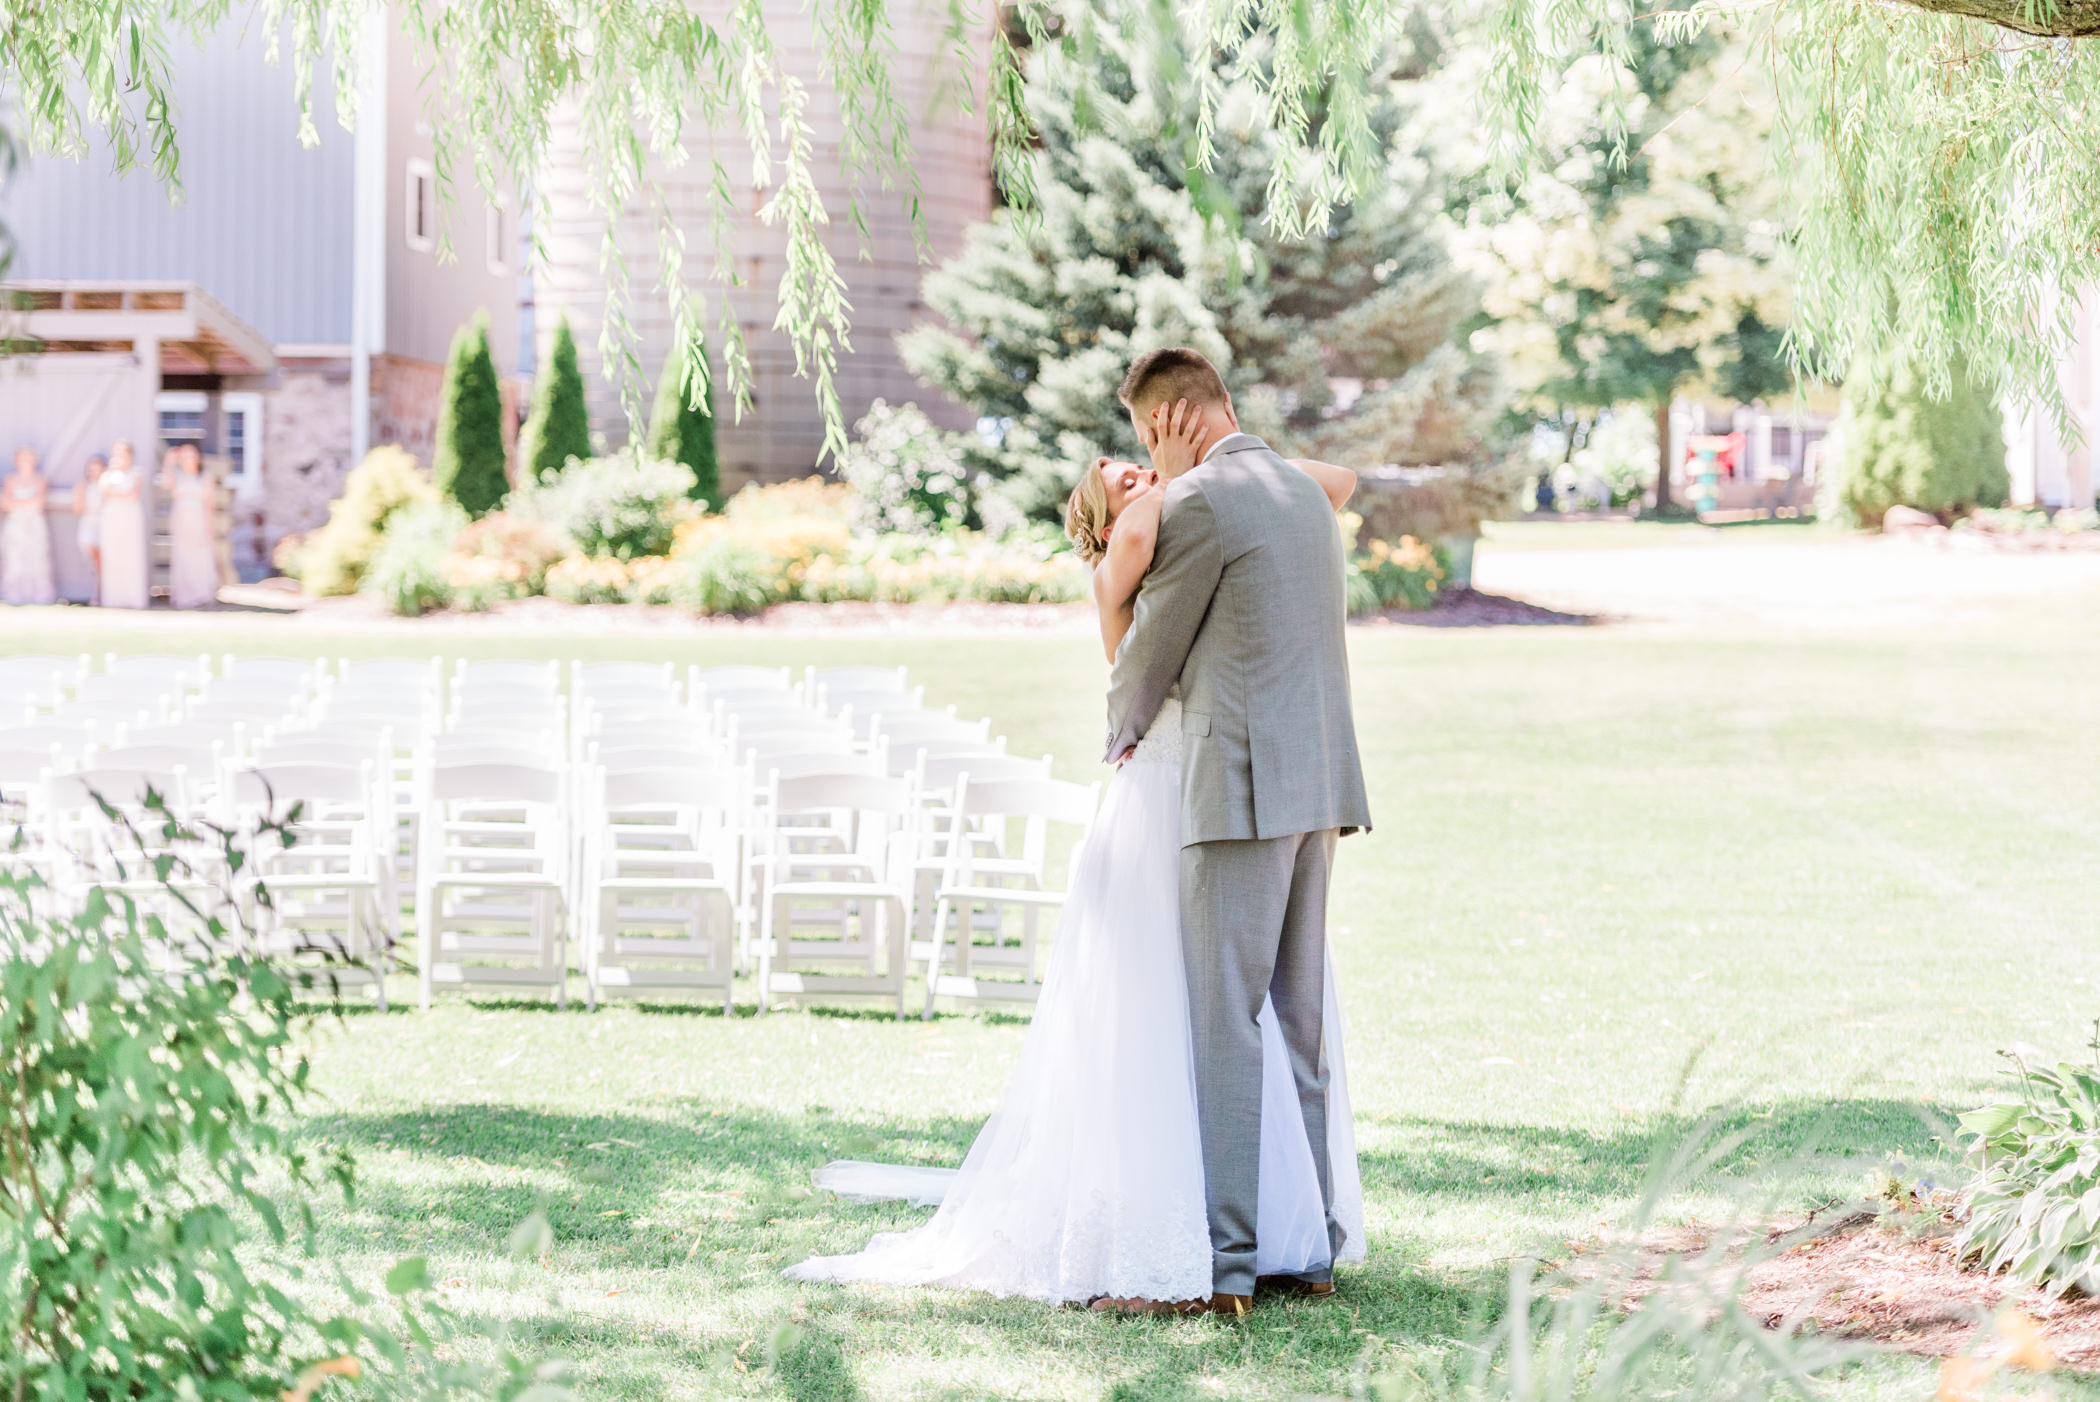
{"type": "Point", "coordinates": [559, 426]}
{"type": "Point", "coordinates": [468, 461]}
{"type": "Point", "coordinates": [1900, 447]}
{"type": "Point", "coordinates": [684, 432]}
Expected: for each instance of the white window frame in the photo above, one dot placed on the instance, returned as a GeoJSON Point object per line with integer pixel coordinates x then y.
{"type": "Point", "coordinates": [498, 235]}
{"type": "Point", "coordinates": [420, 180]}
{"type": "Point", "coordinates": [249, 405]}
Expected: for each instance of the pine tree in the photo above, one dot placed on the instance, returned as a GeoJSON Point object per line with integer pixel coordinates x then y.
{"type": "Point", "coordinates": [1127, 250]}
{"type": "Point", "coordinates": [559, 426]}
{"type": "Point", "coordinates": [468, 461]}
{"type": "Point", "coordinates": [681, 431]}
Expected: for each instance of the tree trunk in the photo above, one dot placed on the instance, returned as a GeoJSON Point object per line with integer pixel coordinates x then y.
{"type": "Point", "coordinates": [1663, 465]}
{"type": "Point", "coordinates": [2054, 19]}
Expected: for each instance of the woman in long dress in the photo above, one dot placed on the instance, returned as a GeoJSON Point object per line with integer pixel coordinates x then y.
{"type": "Point", "coordinates": [25, 541]}
{"type": "Point", "coordinates": [193, 562]}
{"type": "Point", "coordinates": [123, 531]}
{"type": "Point", "coordinates": [1086, 1185]}
{"type": "Point", "coordinates": [87, 522]}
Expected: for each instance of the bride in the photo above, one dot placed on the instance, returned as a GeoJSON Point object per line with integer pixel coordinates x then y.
{"type": "Point", "coordinates": [1086, 1185]}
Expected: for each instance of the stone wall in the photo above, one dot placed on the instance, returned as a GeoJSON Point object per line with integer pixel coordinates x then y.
{"type": "Point", "coordinates": [306, 446]}
{"type": "Point", "coordinates": [405, 403]}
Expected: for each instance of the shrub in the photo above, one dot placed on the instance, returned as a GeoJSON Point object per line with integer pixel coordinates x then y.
{"type": "Point", "coordinates": [501, 556]}
{"type": "Point", "coordinates": [728, 575]}
{"type": "Point", "coordinates": [961, 566]}
{"type": "Point", "coordinates": [1409, 575]}
{"type": "Point", "coordinates": [558, 427]}
{"type": "Point", "coordinates": [1898, 447]}
{"type": "Point", "coordinates": [907, 476]}
{"type": "Point", "coordinates": [139, 1113]}
{"type": "Point", "coordinates": [408, 573]}
{"type": "Point", "coordinates": [468, 461]}
{"type": "Point", "coordinates": [681, 431]}
{"type": "Point", "coordinates": [336, 556]}
{"type": "Point", "coordinates": [590, 579]}
{"type": "Point", "coordinates": [624, 505]}
{"type": "Point", "coordinates": [2034, 1209]}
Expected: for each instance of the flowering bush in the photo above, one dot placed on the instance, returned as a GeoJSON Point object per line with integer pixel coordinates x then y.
{"type": "Point", "coordinates": [622, 505]}
{"type": "Point", "coordinates": [806, 496]}
{"type": "Point", "coordinates": [590, 579]}
{"type": "Point", "coordinates": [333, 559]}
{"type": "Point", "coordinates": [728, 575]}
{"type": "Point", "coordinates": [957, 567]}
{"type": "Point", "coordinates": [1409, 575]}
{"type": "Point", "coordinates": [501, 556]}
{"type": "Point", "coordinates": [907, 476]}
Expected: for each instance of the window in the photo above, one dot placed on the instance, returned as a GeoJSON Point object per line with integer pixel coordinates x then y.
{"type": "Point", "coordinates": [499, 237]}
{"type": "Point", "coordinates": [181, 414]}
{"type": "Point", "coordinates": [420, 206]}
{"type": "Point", "coordinates": [241, 429]}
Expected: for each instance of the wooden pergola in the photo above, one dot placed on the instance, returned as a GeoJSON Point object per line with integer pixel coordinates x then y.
{"type": "Point", "coordinates": [175, 327]}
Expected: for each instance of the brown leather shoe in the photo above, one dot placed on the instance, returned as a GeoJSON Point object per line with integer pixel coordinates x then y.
{"type": "Point", "coordinates": [1293, 1286]}
{"type": "Point", "coordinates": [1231, 1306]}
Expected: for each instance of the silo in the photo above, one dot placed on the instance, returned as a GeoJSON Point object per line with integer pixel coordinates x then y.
{"type": "Point", "coordinates": [782, 434]}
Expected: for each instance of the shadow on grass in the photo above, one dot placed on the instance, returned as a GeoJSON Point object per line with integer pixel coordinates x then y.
{"type": "Point", "coordinates": [713, 1203]}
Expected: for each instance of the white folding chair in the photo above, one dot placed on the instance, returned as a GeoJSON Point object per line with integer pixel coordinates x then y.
{"type": "Point", "coordinates": [491, 897]}
{"type": "Point", "coordinates": [936, 784]}
{"type": "Point", "coordinates": [596, 678]}
{"type": "Point", "coordinates": [318, 889]}
{"type": "Point", "coordinates": [659, 885]}
{"type": "Point", "coordinates": [968, 890]}
{"type": "Point", "coordinates": [844, 679]}
{"type": "Point", "coordinates": [169, 670]}
{"type": "Point", "coordinates": [705, 683]}
{"type": "Point", "coordinates": [858, 942]}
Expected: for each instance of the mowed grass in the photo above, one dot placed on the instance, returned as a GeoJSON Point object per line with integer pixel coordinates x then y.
{"type": "Point", "coordinates": [1622, 881]}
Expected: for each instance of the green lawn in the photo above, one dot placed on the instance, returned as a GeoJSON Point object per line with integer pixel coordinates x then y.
{"type": "Point", "coordinates": [1621, 879]}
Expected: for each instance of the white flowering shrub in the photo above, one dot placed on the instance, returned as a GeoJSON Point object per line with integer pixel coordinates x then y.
{"type": "Point", "coordinates": [906, 474]}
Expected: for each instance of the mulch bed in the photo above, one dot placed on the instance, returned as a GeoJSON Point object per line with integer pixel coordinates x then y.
{"type": "Point", "coordinates": [1856, 1279]}
{"type": "Point", "coordinates": [1470, 608]}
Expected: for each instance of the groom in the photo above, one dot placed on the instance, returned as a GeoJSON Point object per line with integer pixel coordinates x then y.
{"type": "Point", "coordinates": [1244, 609]}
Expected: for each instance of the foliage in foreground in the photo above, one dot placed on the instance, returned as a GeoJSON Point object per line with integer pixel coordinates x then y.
{"type": "Point", "coordinates": [408, 571]}
{"type": "Point", "coordinates": [468, 462]}
{"type": "Point", "coordinates": [1899, 446]}
{"type": "Point", "coordinates": [152, 1073]}
{"type": "Point", "coordinates": [623, 505]}
{"type": "Point", "coordinates": [2034, 1209]}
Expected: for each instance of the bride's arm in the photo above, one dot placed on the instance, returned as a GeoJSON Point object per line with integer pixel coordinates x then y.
{"type": "Point", "coordinates": [1337, 482]}
{"type": "Point", "coordinates": [1122, 569]}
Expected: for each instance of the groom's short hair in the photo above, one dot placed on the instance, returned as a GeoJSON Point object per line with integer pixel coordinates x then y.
{"type": "Point", "coordinates": [1168, 374]}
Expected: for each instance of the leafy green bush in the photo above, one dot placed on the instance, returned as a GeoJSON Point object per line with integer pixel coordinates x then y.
{"type": "Point", "coordinates": [138, 1113]}
{"type": "Point", "coordinates": [1898, 447]}
{"type": "Point", "coordinates": [468, 461]}
{"type": "Point", "coordinates": [727, 575]}
{"type": "Point", "coordinates": [684, 432]}
{"type": "Point", "coordinates": [623, 506]}
{"type": "Point", "coordinates": [558, 427]}
{"type": "Point", "coordinates": [408, 573]}
{"type": "Point", "coordinates": [2034, 1209]}
{"type": "Point", "coordinates": [334, 559]}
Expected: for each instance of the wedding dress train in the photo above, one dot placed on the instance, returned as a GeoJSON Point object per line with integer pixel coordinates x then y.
{"type": "Point", "coordinates": [1088, 1178]}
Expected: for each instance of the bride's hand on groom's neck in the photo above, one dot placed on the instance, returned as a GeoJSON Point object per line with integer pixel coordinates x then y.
{"type": "Point", "coordinates": [1176, 435]}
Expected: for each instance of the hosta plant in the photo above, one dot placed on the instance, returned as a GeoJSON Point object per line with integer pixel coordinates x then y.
{"type": "Point", "coordinates": [2034, 1209]}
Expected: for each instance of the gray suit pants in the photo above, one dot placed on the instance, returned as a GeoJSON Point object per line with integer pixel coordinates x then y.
{"type": "Point", "coordinates": [1254, 922]}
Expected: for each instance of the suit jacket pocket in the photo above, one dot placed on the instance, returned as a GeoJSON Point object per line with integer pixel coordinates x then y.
{"type": "Point", "coordinates": [1195, 723]}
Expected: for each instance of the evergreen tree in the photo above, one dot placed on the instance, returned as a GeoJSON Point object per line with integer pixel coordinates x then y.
{"type": "Point", "coordinates": [559, 426]}
{"type": "Point", "coordinates": [1898, 446]}
{"type": "Point", "coordinates": [468, 461]}
{"type": "Point", "coordinates": [1128, 250]}
{"type": "Point", "coordinates": [682, 431]}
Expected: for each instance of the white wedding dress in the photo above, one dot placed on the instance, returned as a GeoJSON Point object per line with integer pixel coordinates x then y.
{"type": "Point", "coordinates": [1088, 1178]}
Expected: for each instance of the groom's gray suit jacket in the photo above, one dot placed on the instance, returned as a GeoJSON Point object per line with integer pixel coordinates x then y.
{"type": "Point", "coordinates": [1244, 608]}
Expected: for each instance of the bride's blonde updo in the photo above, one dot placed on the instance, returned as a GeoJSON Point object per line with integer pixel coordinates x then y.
{"type": "Point", "coordinates": [1086, 514]}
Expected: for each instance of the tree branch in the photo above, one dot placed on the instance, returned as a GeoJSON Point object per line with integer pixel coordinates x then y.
{"type": "Point", "coordinates": [2048, 19]}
